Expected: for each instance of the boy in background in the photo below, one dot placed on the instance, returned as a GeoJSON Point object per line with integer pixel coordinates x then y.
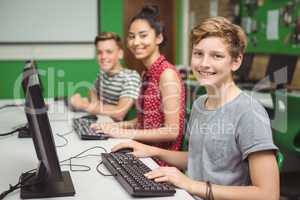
{"type": "Point", "coordinates": [115, 88]}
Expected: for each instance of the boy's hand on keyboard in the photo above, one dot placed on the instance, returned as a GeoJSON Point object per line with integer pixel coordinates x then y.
{"type": "Point", "coordinates": [78, 102]}
{"type": "Point", "coordinates": [112, 130]}
{"type": "Point", "coordinates": [171, 175]}
{"type": "Point", "coordinates": [139, 150]}
{"type": "Point", "coordinates": [95, 126]}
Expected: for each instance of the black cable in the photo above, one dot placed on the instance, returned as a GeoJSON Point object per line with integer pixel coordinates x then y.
{"type": "Point", "coordinates": [18, 185]}
{"type": "Point", "coordinates": [64, 138]}
{"type": "Point", "coordinates": [25, 180]}
{"type": "Point", "coordinates": [9, 133]}
{"type": "Point", "coordinates": [11, 105]}
{"type": "Point", "coordinates": [13, 131]}
{"type": "Point", "coordinates": [98, 170]}
{"type": "Point", "coordinates": [16, 130]}
{"type": "Point", "coordinates": [77, 156]}
{"type": "Point", "coordinates": [87, 168]}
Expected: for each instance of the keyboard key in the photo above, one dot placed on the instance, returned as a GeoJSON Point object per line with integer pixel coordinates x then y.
{"type": "Point", "coordinates": [82, 127]}
{"type": "Point", "coordinates": [130, 174]}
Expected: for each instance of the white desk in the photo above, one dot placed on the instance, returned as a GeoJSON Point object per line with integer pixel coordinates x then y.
{"type": "Point", "coordinates": [18, 155]}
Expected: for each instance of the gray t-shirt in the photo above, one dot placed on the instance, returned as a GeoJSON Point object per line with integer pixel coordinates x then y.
{"type": "Point", "coordinates": [220, 140]}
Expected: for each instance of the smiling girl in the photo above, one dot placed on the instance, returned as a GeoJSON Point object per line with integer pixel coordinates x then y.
{"type": "Point", "coordinates": [160, 105]}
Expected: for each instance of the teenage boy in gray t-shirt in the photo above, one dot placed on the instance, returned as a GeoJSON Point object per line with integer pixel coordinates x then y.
{"type": "Point", "coordinates": [231, 154]}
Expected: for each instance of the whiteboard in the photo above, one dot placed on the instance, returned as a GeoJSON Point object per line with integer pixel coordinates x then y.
{"type": "Point", "coordinates": [48, 21]}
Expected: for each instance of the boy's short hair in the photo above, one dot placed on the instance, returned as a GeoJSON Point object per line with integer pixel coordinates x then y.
{"type": "Point", "coordinates": [233, 35]}
{"type": "Point", "coordinates": [109, 36]}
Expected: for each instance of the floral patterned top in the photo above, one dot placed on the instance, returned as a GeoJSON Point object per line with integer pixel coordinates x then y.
{"type": "Point", "coordinates": [149, 104]}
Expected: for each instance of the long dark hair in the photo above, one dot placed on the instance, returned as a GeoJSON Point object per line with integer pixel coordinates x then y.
{"type": "Point", "coordinates": [150, 13]}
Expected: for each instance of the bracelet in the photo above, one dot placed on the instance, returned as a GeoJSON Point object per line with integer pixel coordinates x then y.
{"type": "Point", "coordinates": [210, 192]}
{"type": "Point", "coordinates": [207, 191]}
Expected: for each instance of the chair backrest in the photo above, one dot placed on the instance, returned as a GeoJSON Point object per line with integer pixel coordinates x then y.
{"type": "Point", "coordinates": [286, 122]}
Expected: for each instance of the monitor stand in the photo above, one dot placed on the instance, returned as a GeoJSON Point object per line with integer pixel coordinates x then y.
{"type": "Point", "coordinates": [47, 189]}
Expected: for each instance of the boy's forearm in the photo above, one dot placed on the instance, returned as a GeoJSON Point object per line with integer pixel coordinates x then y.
{"type": "Point", "coordinates": [168, 156]}
{"type": "Point", "coordinates": [102, 109]}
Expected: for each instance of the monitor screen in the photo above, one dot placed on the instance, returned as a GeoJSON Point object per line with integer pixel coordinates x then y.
{"type": "Point", "coordinates": [30, 68]}
{"type": "Point", "coordinates": [48, 180]}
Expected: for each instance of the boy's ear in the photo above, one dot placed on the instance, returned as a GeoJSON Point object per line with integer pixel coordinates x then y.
{"type": "Point", "coordinates": [159, 39]}
{"type": "Point", "coordinates": [237, 63]}
{"type": "Point", "coordinates": [121, 54]}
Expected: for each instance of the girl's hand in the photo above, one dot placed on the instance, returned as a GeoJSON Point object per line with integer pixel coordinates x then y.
{"type": "Point", "coordinates": [139, 150]}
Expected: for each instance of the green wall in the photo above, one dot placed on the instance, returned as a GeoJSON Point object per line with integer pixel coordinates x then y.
{"type": "Point", "coordinates": [63, 77]}
{"type": "Point", "coordinates": [179, 32]}
{"type": "Point", "coordinates": [284, 44]}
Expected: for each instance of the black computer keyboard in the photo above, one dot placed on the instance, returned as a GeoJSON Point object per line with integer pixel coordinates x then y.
{"type": "Point", "coordinates": [82, 128]}
{"type": "Point", "coordinates": [129, 171]}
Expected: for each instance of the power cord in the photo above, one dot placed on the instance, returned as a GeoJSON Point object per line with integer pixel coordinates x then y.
{"type": "Point", "coordinates": [98, 170]}
{"type": "Point", "coordinates": [18, 185]}
{"type": "Point", "coordinates": [78, 156]}
{"type": "Point", "coordinates": [13, 131]}
{"type": "Point", "coordinates": [16, 130]}
{"type": "Point", "coordinates": [63, 136]}
{"type": "Point", "coordinates": [11, 105]}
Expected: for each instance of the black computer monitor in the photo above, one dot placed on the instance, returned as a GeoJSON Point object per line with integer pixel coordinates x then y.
{"type": "Point", "coordinates": [48, 180]}
{"type": "Point", "coordinates": [30, 68]}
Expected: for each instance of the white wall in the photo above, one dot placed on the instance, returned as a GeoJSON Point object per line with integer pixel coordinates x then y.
{"type": "Point", "coordinates": [28, 26]}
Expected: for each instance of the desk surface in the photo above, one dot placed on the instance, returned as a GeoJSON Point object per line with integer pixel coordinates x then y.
{"type": "Point", "coordinates": [18, 155]}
